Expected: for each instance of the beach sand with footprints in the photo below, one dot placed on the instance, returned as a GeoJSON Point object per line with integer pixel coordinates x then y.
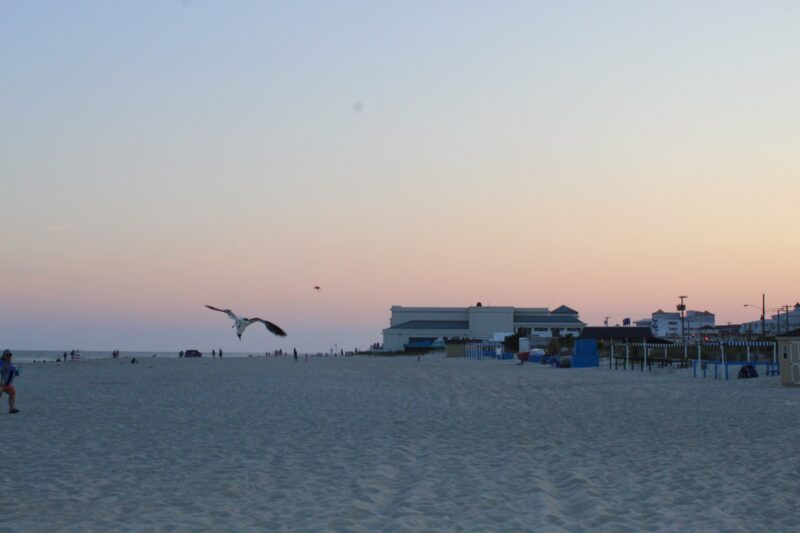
{"type": "Point", "coordinates": [390, 444]}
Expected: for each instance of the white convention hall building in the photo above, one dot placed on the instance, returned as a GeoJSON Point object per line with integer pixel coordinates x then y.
{"type": "Point", "coordinates": [414, 324]}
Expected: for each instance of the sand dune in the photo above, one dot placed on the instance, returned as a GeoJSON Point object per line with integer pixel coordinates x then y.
{"type": "Point", "coordinates": [367, 444]}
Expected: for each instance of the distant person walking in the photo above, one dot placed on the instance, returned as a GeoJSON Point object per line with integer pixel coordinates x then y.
{"type": "Point", "coordinates": [7, 374]}
{"type": "Point", "coordinates": [295, 354]}
{"type": "Point", "coordinates": [213, 353]}
{"type": "Point", "coordinates": [220, 353]}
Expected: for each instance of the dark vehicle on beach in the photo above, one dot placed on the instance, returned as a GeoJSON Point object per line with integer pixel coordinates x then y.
{"type": "Point", "coordinates": [192, 353]}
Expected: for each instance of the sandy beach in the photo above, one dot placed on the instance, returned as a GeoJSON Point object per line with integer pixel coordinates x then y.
{"type": "Point", "coordinates": [390, 444]}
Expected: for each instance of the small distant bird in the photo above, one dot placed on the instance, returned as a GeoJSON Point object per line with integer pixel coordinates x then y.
{"type": "Point", "coordinates": [316, 287]}
{"type": "Point", "coordinates": [241, 323]}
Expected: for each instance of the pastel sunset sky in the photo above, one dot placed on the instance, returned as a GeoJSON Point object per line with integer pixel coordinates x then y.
{"type": "Point", "coordinates": [610, 156]}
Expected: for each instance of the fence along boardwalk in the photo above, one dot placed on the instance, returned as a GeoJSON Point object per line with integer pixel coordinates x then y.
{"type": "Point", "coordinates": [647, 354]}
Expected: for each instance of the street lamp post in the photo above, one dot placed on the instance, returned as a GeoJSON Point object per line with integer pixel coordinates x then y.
{"type": "Point", "coordinates": [763, 308]}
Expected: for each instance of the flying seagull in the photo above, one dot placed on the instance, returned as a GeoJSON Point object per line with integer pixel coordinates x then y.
{"type": "Point", "coordinates": [316, 287]}
{"type": "Point", "coordinates": [241, 323]}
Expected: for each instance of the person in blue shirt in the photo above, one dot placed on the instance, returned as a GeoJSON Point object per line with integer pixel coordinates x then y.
{"type": "Point", "coordinates": [7, 374]}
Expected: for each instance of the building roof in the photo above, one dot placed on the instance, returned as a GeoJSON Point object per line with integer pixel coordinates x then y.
{"type": "Point", "coordinates": [793, 333]}
{"type": "Point", "coordinates": [433, 324]}
{"type": "Point", "coordinates": [630, 333]}
{"type": "Point", "coordinates": [662, 312]}
{"type": "Point", "coordinates": [563, 310]}
{"type": "Point", "coordinates": [547, 320]}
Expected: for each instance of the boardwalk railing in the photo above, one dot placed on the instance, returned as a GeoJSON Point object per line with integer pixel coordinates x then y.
{"type": "Point", "coordinates": [770, 368]}
{"type": "Point", "coordinates": [731, 352]}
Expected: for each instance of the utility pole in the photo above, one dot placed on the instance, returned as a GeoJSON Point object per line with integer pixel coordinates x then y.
{"type": "Point", "coordinates": [787, 318]}
{"type": "Point", "coordinates": [682, 309]}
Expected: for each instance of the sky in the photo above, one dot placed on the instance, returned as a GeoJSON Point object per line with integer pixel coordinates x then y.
{"type": "Point", "coordinates": [159, 156]}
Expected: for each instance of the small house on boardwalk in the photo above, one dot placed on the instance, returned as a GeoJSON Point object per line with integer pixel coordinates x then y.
{"type": "Point", "coordinates": [789, 355]}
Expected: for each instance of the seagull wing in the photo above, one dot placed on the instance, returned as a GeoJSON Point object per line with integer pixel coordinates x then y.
{"type": "Point", "coordinates": [226, 311]}
{"type": "Point", "coordinates": [274, 328]}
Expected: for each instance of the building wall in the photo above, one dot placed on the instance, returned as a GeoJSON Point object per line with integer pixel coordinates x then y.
{"type": "Point", "coordinates": [402, 314]}
{"type": "Point", "coordinates": [542, 311]}
{"type": "Point", "coordinates": [781, 323]}
{"type": "Point", "coordinates": [666, 325]}
{"type": "Point", "coordinates": [484, 322]}
{"type": "Point", "coordinates": [754, 327]}
{"type": "Point", "coordinates": [697, 320]}
{"type": "Point", "coordinates": [547, 332]}
{"type": "Point", "coordinates": [395, 340]}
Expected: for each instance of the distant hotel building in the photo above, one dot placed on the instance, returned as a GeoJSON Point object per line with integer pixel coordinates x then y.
{"type": "Point", "coordinates": [418, 324]}
{"type": "Point", "coordinates": [667, 324]}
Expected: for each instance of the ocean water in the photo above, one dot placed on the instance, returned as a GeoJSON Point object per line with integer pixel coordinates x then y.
{"type": "Point", "coordinates": [30, 356]}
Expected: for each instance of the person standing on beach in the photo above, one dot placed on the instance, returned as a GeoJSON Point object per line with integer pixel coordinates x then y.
{"type": "Point", "coordinates": [213, 353]}
{"type": "Point", "coordinates": [7, 374]}
{"type": "Point", "coordinates": [220, 353]}
{"type": "Point", "coordinates": [295, 354]}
